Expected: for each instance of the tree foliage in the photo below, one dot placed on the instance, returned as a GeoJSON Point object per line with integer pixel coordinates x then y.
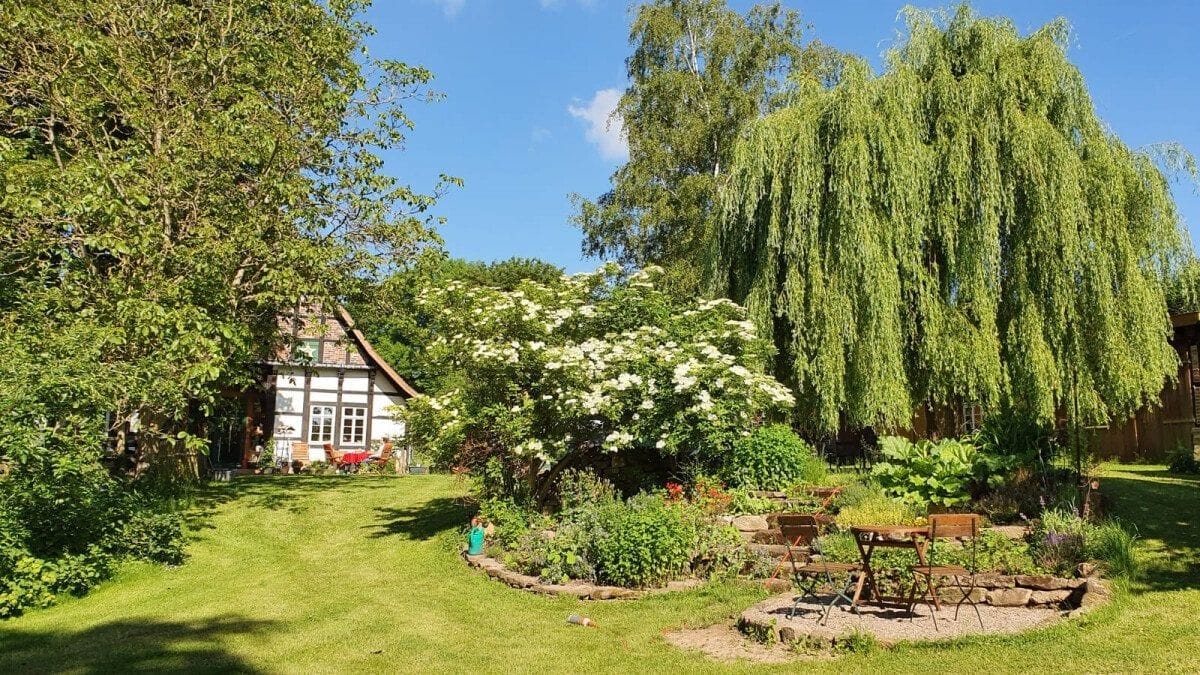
{"type": "Point", "coordinates": [961, 227]}
{"type": "Point", "coordinates": [173, 174]}
{"type": "Point", "coordinates": [401, 329]}
{"type": "Point", "coordinates": [699, 71]}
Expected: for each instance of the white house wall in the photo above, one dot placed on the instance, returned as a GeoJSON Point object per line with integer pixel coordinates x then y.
{"type": "Point", "coordinates": [323, 389]}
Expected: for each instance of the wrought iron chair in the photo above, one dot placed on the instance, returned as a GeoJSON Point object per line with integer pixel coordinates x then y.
{"type": "Point", "coordinates": [805, 530]}
{"type": "Point", "coordinates": [965, 528]}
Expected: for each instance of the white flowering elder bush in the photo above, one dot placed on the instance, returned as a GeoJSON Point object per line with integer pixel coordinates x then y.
{"type": "Point", "coordinates": [557, 375]}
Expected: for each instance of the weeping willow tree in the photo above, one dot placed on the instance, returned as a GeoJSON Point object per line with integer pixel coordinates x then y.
{"type": "Point", "coordinates": [961, 227]}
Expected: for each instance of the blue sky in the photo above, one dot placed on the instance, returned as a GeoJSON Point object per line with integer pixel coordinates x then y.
{"type": "Point", "coordinates": [528, 83]}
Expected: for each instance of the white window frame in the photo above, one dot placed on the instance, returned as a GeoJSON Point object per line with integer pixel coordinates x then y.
{"type": "Point", "coordinates": [320, 423]}
{"type": "Point", "coordinates": [972, 417]}
{"type": "Point", "coordinates": [354, 425]}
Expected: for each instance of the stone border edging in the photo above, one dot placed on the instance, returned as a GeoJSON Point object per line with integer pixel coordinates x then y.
{"type": "Point", "coordinates": [579, 589]}
{"type": "Point", "coordinates": [1077, 596]}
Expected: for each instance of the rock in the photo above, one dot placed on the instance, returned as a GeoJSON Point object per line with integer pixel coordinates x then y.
{"type": "Point", "coordinates": [952, 595]}
{"type": "Point", "coordinates": [1044, 582]}
{"type": "Point", "coordinates": [768, 494]}
{"type": "Point", "coordinates": [684, 584]}
{"type": "Point", "coordinates": [991, 580]}
{"type": "Point", "coordinates": [777, 550]}
{"type": "Point", "coordinates": [767, 537]}
{"type": "Point", "coordinates": [1014, 532]}
{"type": "Point", "coordinates": [612, 593]}
{"type": "Point", "coordinates": [1093, 594]}
{"type": "Point", "coordinates": [725, 520]}
{"type": "Point", "coordinates": [1085, 570]}
{"type": "Point", "coordinates": [1056, 597]}
{"type": "Point", "coordinates": [787, 634]}
{"type": "Point", "coordinates": [575, 590]}
{"type": "Point", "coordinates": [1097, 586]}
{"type": "Point", "coordinates": [777, 585]}
{"type": "Point", "coordinates": [1009, 597]}
{"type": "Point", "coordinates": [750, 523]}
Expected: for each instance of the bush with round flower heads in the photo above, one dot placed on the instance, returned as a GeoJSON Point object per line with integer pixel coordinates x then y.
{"type": "Point", "coordinates": [557, 375]}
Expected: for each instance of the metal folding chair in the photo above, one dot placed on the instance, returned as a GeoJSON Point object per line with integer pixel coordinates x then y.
{"type": "Point", "coordinates": [963, 527]}
{"type": "Point", "coordinates": [809, 576]}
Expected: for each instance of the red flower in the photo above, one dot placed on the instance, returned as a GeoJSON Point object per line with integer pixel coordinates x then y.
{"type": "Point", "coordinates": [674, 491]}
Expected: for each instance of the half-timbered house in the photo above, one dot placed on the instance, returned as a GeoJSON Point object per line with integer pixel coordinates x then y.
{"type": "Point", "coordinates": [330, 388]}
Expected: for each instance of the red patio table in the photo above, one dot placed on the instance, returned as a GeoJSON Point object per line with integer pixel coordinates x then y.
{"type": "Point", "coordinates": [355, 457]}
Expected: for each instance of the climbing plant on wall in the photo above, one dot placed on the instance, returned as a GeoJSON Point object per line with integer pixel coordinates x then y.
{"type": "Point", "coordinates": [959, 227]}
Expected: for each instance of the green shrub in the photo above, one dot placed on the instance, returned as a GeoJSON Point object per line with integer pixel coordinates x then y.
{"type": "Point", "coordinates": [1112, 545]}
{"type": "Point", "coordinates": [1062, 540]}
{"type": "Point", "coordinates": [647, 542]}
{"type": "Point", "coordinates": [772, 458]}
{"type": "Point", "coordinates": [743, 503]}
{"type": "Point", "coordinates": [720, 551]}
{"type": "Point", "coordinates": [1182, 460]}
{"type": "Point", "coordinates": [558, 556]}
{"type": "Point", "coordinates": [942, 473]}
{"type": "Point", "coordinates": [994, 553]}
{"type": "Point", "coordinates": [878, 509]}
{"type": "Point", "coordinates": [583, 490]}
{"type": "Point", "coordinates": [156, 537]}
{"type": "Point", "coordinates": [510, 521]}
{"type": "Point", "coordinates": [856, 642]}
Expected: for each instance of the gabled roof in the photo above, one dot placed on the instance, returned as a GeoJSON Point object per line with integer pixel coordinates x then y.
{"type": "Point", "coordinates": [406, 389]}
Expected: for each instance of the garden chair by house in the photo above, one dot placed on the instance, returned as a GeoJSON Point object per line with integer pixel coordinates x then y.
{"type": "Point", "coordinates": [300, 454]}
{"type": "Point", "coordinates": [385, 454]}
{"type": "Point", "coordinates": [804, 530]}
{"type": "Point", "coordinates": [964, 528]}
{"type": "Point", "coordinates": [332, 456]}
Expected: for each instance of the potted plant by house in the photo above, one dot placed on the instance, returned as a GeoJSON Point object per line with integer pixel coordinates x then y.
{"type": "Point", "coordinates": [265, 462]}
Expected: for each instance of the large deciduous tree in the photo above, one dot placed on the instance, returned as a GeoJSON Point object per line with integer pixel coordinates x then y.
{"type": "Point", "coordinates": [172, 174]}
{"type": "Point", "coordinates": [699, 71]}
{"type": "Point", "coordinates": [961, 227]}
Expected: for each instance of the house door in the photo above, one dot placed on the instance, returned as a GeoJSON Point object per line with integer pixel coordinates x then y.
{"type": "Point", "coordinates": [226, 433]}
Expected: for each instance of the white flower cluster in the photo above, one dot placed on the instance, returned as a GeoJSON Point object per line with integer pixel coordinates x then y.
{"type": "Point", "coordinates": [566, 368]}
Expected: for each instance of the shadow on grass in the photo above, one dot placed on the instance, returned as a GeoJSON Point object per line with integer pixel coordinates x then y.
{"type": "Point", "coordinates": [421, 522]}
{"type": "Point", "coordinates": [130, 645]}
{"type": "Point", "coordinates": [292, 493]}
{"type": "Point", "coordinates": [1164, 508]}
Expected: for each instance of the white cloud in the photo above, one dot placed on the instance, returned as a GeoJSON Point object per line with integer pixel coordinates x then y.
{"type": "Point", "coordinates": [451, 8]}
{"type": "Point", "coordinates": [539, 134]}
{"type": "Point", "coordinates": [604, 128]}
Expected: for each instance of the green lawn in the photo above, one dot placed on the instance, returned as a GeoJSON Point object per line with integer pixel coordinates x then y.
{"type": "Point", "coordinates": [345, 574]}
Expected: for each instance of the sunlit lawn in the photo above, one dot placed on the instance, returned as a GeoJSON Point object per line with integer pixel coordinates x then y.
{"type": "Point", "coordinates": [344, 574]}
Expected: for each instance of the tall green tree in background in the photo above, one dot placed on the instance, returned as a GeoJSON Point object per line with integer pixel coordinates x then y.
{"type": "Point", "coordinates": [401, 328]}
{"type": "Point", "coordinates": [961, 227]}
{"type": "Point", "coordinates": [172, 175]}
{"type": "Point", "coordinates": [699, 71]}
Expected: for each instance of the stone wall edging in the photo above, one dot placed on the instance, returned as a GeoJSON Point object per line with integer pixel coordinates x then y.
{"type": "Point", "coordinates": [1084, 595]}
{"type": "Point", "coordinates": [579, 589]}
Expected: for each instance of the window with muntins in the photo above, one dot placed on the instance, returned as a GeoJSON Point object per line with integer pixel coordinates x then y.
{"type": "Point", "coordinates": [354, 426]}
{"type": "Point", "coordinates": [320, 424]}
